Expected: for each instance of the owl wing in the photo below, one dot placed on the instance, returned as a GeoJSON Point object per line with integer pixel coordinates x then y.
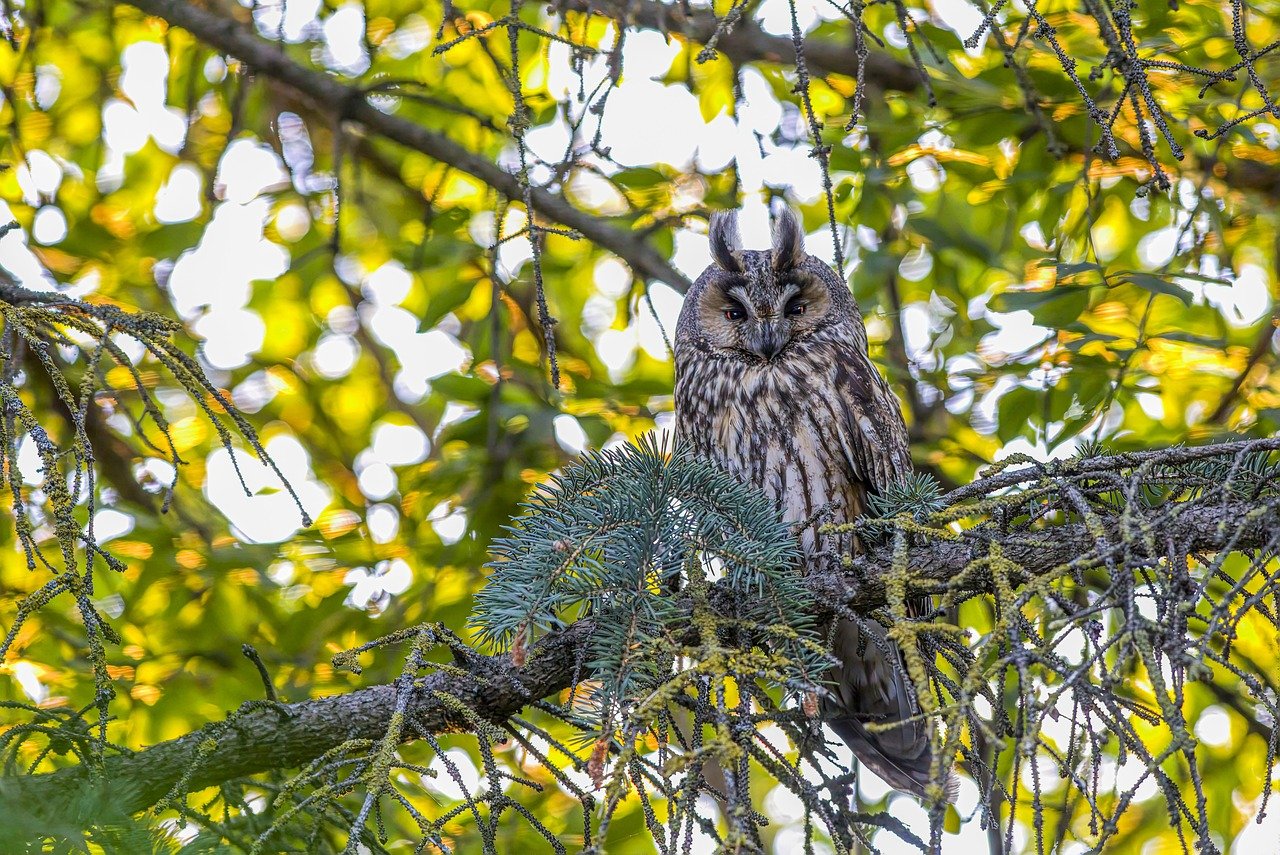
{"type": "Point", "coordinates": [875, 445]}
{"type": "Point", "coordinates": [875, 437]}
{"type": "Point", "coordinates": [869, 687]}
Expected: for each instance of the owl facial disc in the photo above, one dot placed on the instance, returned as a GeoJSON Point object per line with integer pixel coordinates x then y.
{"type": "Point", "coordinates": [759, 307]}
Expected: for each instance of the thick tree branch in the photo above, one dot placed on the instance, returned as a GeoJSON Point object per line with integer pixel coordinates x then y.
{"type": "Point", "coordinates": [289, 736]}
{"type": "Point", "coordinates": [1109, 463]}
{"type": "Point", "coordinates": [1065, 548]}
{"type": "Point", "coordinates": [747, 42]}
{"type": "Point", "coordinates": [293, 735]}
{"type": "Point", "coordinates": [350, 103]}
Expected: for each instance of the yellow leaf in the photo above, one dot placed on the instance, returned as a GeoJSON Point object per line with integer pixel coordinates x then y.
{"type": "Point", "coordinates": [186, 434]}
{"type": "Point", "coordinates": [379, 28]}
{"type": "Point", "coordinates": [190, 559]}
{"type": "Point", "coordinates": [243, 576]}
{"type": "Point", "coordinates": [35, 128]}
{"type": "Point", "coordinates": [131, 549]}
{"type": "Point", "coordinates": [336, 522]}
{"type": "Point", "coordinates": [145, 692]}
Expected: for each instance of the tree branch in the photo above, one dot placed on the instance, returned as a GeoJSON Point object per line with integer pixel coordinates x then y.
{"type": "Point", "coordinates": [289, 736]}
{"type": "Point", "coordinates": [747, 42]}
{"type": "Point", "coordinates": [1063, 548]}
{"type": "Point", "coordinates": [1109, 463]}
{"type": "Point", "coordinates": [350, 102]}
{"type": "Point", "coordinates": [1261, 348]}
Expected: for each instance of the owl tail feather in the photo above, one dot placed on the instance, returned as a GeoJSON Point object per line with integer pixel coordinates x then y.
{"type": "Point", "coordinates": [868, 687]}
{"type": "Point", "coordinates": [909, 774]}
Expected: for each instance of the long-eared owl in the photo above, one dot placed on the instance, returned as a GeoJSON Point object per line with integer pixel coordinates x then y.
{"type": "Point", "coordinates": [774, 384]}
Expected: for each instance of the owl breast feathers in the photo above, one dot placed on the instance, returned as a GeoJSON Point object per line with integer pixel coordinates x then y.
{"type": "Point", "coordinates": [775, 385]}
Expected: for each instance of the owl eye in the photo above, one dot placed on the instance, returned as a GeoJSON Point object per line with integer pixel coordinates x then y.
{"type": "Point", "coordinates": [796, 307]}
{"type": "Point", "coordinates": [734, 313]}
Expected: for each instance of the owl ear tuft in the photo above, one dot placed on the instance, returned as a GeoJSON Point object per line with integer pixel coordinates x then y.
{"type": "Point", "coordinates": [726, 243]}
{"type": "Point", "coordinates": [788, 241]}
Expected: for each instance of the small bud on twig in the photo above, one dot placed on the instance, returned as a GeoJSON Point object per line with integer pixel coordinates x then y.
{"type": "Point", "coordinates": [520, 648]}
{"type": "Point", "coordinates": [595, 766]}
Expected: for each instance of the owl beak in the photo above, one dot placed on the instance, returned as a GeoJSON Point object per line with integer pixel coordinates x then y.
{"type": "Point", "coordinates": [769, 341]}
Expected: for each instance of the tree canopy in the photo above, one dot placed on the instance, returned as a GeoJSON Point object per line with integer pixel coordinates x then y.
{"type": "Point", "coordinates": [313, 313]}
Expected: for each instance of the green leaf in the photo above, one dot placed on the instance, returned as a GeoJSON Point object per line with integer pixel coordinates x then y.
{"type": "Point", "coordinates": [1156, 285]}
{"type": "Point", "coordinates": [957, 238]}
{"type": "Point", "coordinates": [1069, 270]}
{"type": "Point", "coordinates": [458, 387]}
{"type": "Point", "coordinates": [640, 178]}
{"type": "Point", "coordinates": [1053, 307]}
{"type": "Point", "coordinates": [170, 241]}
{"type": "Point", "coordinates": [1215, 342]}
{"type": "Point", "coordinates": [1016, 408]}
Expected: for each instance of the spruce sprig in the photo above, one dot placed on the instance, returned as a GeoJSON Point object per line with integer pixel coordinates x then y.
{"type": "Point", "coordinates": [613, 536]}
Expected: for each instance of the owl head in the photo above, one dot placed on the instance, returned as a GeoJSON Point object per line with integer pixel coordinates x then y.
{"type": "Point", "coordinates": [756, 305]}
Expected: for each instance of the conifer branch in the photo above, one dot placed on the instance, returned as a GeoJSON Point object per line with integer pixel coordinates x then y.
{"type": "Point", "coordinates": [495, 688]}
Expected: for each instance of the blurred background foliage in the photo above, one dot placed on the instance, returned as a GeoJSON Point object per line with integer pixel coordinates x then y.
{"type": "Point", "coordinates": [375, 311]}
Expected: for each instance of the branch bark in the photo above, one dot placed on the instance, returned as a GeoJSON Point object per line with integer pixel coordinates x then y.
{"type": "Point", "coordinates": [747, 42]}
{"type": "Point", "coordinates": [1196, 528]}
{"type": "Point", "coordinates": [293, 735]}
{"type": "Point", "coordinates": [1109, 463]}
{"type": "Point", "coordinates": [350, 103]}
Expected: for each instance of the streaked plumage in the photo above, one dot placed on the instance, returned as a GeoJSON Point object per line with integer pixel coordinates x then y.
{"type": "Point", "coordinates": [774, 384]}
